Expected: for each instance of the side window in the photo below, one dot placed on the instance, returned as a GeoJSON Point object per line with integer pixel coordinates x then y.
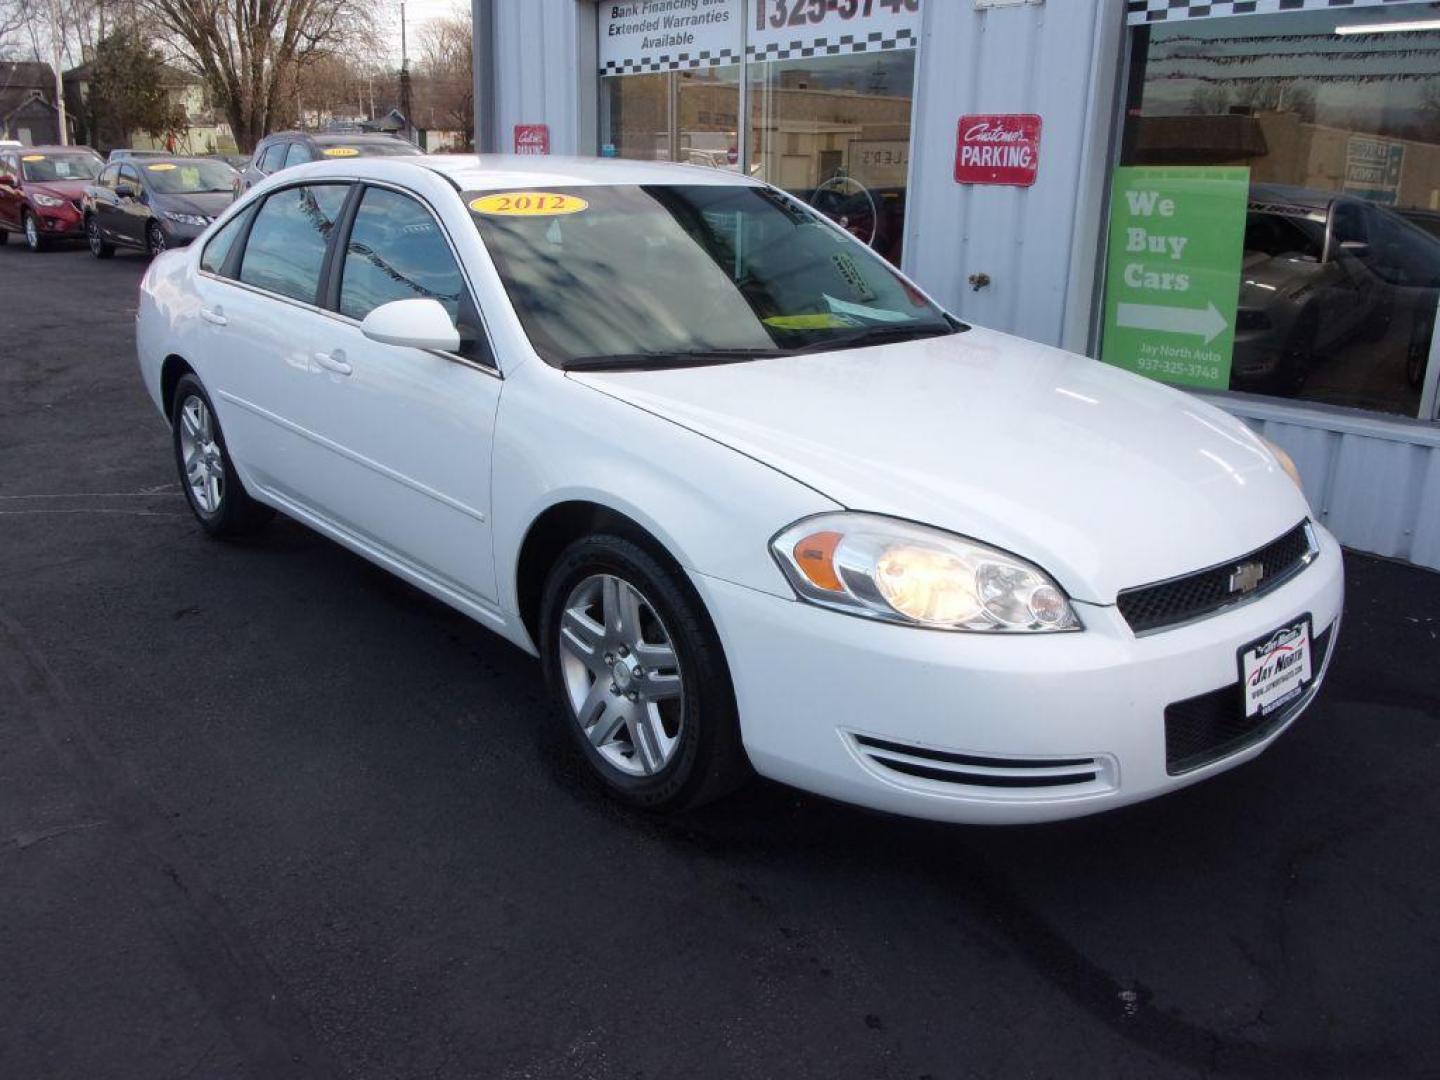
{"type": "Point", "coordinates": [128, 175]}
{"type": "Point", "coordinates": [286, 249]}
{"type": "Point", "coordinates": [271, 160]}
{"type": "Point", "coordinates": [299, 154]}
{"type": "Point", "coordinates": [397, 252]}
{"type": "Point", "coordinates": [107, 176]}
{"type": "Point", "coordinates": [218, 249]}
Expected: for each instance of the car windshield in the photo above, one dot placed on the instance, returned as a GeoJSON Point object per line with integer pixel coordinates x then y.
{"type": "Point", "coordinates": [41, 168]}
{"type": "Point", "coordinates": [188, 177]}
{"type": "Point", "coordinates": [370, 148]}
{"type": "Point", "coordinates": [653, 276]}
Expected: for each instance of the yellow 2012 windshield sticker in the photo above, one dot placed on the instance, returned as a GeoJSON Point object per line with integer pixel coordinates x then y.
{"type": "Point", "coordinates": [340, 151]}
{"type": "Point", "coordinates": [528, 204]}
{"type": "Point", "coordinates": [33, 157]}
{"type": "Point", "coordinates": [164, 166]}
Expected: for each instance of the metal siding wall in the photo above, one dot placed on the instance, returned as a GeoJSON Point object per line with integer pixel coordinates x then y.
{"type": "Point", "coordinates": [1374, 493]}
{"type": "Point", "coordinates": [537, 70]}
{"type": "Point", "coordinates": [1033, 58]}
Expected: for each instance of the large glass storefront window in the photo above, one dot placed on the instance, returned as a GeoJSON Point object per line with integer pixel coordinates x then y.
{"type": "Point", "coordinates": [828, 88]}
{"type": "Point", "coordinates": [835, 131]}
{"type": "Point", "coordinates": [688, 116]}
{"type": "Point", "coordinates": [1276, 220]}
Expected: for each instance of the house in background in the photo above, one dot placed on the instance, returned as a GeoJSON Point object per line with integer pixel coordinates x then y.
{"type": "Point", "coordinates": [207, 131]}
{"type": "Point", "coordinates": [27, 103]}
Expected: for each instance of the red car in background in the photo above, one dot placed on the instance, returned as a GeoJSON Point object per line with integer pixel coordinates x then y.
{"type": "Point", "coordinates": [40, 191]}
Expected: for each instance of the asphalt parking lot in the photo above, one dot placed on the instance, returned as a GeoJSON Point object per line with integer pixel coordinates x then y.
{"type": "Point", "coordinates": [267, 812]}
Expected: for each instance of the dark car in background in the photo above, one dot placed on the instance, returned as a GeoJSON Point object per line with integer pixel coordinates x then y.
{"type": "Point", "coordinates": [287, 148]}
{"type": "Point", "coordinates": [1322, 271]}
{"type": "Point", "coordinates": [40, 192]}
{"type": "Point", "coordinates": [154, 204]}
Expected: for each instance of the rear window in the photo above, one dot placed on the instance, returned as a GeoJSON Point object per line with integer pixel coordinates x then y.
{"type": "Point", "coordinates": [286, 248]}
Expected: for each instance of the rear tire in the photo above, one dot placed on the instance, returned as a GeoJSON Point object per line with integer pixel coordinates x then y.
{"type": "Point", "coordinates": [98, 247]}
{"type": "Point", "coordinates": [627, 644]}
{"type": "Point", "coordinates": [207, 475]}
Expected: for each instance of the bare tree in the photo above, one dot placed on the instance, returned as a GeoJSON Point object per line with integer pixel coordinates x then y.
{"type": "Point", "coordinates": [444, 80]}
{"type": "Point", "coordinates": [254, 54]}
{"type": "Point", "coordinates": [12, 22]}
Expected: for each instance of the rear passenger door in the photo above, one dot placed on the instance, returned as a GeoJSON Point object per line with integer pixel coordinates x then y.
{"type": "Point", "coordinates": [410, 430]}
{"type": "Point", "coordinates": [263, 324]}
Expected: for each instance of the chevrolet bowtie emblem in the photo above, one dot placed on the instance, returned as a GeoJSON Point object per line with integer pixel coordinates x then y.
{"type": "Point", "coordinates": [1246, 577]}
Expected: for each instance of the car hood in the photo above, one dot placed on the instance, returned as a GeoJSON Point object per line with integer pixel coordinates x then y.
{"type": "Point", "coordinates": [1266, 278]}
{"type": "Point", "coordinates": [1104, 479]}
{"type": "Point", "coordinates": [61, 189]}
{"type": "Point", "coordinates": [210, 204]}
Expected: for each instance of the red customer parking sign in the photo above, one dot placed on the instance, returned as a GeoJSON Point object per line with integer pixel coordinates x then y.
{"type": "Point", "coordinates": [998, 148]}
{"type": "Point", "coordinates": [532, 139]}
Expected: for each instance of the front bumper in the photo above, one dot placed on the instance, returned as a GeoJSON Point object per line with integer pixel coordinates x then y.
{"type": "Point", "coordinates": [818, 691]}
{"type": "Point", "coordinates": [60, 222]}
{"type": "Point", "coordinates": [179, 234]}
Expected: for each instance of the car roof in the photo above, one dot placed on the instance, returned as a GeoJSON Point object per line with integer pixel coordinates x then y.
{"type": "Point", "coordinates": [490, 172]}
{"type": "Point", "coordinates": [56, 150]}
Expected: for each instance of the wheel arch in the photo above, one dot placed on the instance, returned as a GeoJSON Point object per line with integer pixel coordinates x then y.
{"type": "Point", "coordinates": [558, 526]}
{"type": "Point", "coordinates": [172, 371]}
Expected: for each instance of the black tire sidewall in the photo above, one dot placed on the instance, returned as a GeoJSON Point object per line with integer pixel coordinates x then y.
{"type": "Point", "coordinates": [705, 763]}
{"type": "Point", "coordinates": [151, 231]}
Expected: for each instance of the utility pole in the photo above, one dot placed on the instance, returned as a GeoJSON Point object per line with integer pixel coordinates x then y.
{"type": "Point", "coordinates": [405, 77]}
{"type": "Point", "coordinates": [55, 35]}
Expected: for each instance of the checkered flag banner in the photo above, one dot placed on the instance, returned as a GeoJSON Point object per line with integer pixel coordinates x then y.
{"type": "Point", "coordinates": [684, 61]}
{"type": "Point", "coordinates": [1153, 11]}
{"type": "Point", "coordinates": [840, 45]}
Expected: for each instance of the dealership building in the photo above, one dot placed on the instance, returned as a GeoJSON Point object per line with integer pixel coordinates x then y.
{"type": "Point", "coordinates": [1240, 197]}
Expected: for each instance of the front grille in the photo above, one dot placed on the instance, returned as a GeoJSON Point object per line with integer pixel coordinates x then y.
{"type": "Point", "coordinates": [1169, 603]}
{"type": "Point", "coordinates": [974, 770]}
{"type": "Point", "coordinates": [1206, 728]}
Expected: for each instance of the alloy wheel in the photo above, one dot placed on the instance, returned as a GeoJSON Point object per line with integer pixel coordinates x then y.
{"type": "Point", "coordinates": [32, 232]}
{"type": "Point", "coordinates": [92, 231]}
{"type": "Point", "coordinates": [157, 241]}
{"type": "Point", "coordinates": [621, 675]}
{"type": "Point", "coordinates": [204, 460]}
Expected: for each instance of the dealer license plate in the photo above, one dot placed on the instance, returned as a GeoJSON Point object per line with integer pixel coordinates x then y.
{"type": "Point", "coordinates": [1276, 669]}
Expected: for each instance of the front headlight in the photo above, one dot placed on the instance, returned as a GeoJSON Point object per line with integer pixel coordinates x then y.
{"type": "Point", "coordinates": [887, 569]}
{"type": "Point", "coordinates": [1285, 461]}
{"type": "Point", "coordinates": [47, 200]}
{"type": "Point", "coordinates": [187, 219]}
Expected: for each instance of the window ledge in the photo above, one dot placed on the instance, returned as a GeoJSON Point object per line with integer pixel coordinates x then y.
{"type": "Point", "coordinates": [1329, 418]}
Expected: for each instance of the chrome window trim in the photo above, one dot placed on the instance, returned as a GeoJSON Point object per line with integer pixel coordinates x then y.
{"type": "Point", "coordinates": [488, 369]}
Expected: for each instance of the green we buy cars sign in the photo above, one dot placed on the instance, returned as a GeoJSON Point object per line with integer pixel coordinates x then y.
{"type": "Point", "coordinates": [1173, 280]}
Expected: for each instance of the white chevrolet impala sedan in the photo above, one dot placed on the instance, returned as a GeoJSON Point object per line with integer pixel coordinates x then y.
{"type": "Point", "coordinates": [754, 499]}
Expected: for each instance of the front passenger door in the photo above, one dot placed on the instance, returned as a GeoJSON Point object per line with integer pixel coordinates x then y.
{"type": "Point", "coordinates": [412, 430]}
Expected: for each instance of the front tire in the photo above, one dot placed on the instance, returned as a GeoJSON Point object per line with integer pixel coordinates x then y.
{"type": "Point", "coordinates": [639, 676]}
{"type": "Point", "coordinates": [33, 238]}
{"type": "Point", "coordinates": [207, 475]}
{"type": "Point", "coordinates": [98, 247]}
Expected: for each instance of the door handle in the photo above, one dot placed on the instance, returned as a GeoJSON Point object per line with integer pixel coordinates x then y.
{"type": "Point", "coordinates": [214, 315]}
{"type": "Point", "coordinates": [334, 361]}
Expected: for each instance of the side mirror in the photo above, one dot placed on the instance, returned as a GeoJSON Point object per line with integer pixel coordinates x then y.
{"type": "Point", "coordinates": [419, 324]}
{"type": "Point", "coordinates": [125, 191]}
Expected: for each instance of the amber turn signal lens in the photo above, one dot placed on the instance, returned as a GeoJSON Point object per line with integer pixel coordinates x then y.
{"type": "Point", "coordinates": [815, 556]}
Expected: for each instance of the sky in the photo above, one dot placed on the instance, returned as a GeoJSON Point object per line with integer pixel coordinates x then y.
{"type": "Point", "coordinates": [416, 12]}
